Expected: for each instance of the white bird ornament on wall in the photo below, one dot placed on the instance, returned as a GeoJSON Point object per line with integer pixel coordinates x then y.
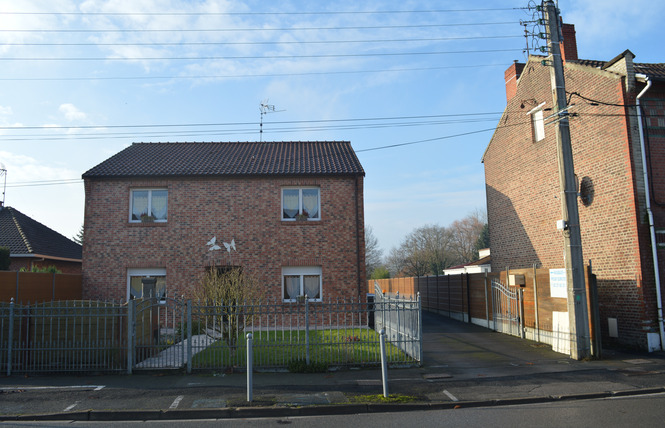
{"type": "Point", "coordinates": [212, 244]}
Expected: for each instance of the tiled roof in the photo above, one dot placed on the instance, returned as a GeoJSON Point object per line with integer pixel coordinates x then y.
{"type": "Point", "coordinates": [249, 158]}
{"type": "Point", "coordinates": [655, 71]}
{"type": "Point", "coordinates": [24, 235]}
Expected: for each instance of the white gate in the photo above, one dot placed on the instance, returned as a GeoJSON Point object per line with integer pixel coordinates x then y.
{"type": "Point", "coordinates": [506, 309]}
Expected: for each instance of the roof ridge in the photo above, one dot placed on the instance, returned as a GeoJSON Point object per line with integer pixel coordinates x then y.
{"type": "Point", "coordinates": [25, 239]}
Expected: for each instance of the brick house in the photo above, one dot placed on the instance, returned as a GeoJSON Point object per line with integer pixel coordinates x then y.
{"type": "Point", "coordinates": [522, 183]}
{"type": "Point", "coordinates": [290, 212]}
{"type": "Point", "coordinates": [32, 244]}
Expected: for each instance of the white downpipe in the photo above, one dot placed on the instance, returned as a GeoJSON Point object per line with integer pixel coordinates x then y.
{"type": "Point", "coordinates": [652, 228]}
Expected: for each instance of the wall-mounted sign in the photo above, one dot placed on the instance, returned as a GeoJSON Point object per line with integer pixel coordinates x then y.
{"type": "Point", "coordinates": [558, 283]}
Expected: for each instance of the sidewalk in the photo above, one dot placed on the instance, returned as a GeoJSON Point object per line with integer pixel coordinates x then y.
{"type": "Point", "coordinates": [464, 365]}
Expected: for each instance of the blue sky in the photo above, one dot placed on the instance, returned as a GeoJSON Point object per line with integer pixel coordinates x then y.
{"type": "Point", "coordinates": [73, 92]}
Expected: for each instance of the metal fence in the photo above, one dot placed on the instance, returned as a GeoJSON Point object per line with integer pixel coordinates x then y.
{"type": "Point", "coordinates": [90, 336]}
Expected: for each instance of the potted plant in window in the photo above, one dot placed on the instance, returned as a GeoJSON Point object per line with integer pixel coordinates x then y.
{"type": "Point", "coordinates": [302, 216]}
{"type": "Point", "coordinates": [147, 218]}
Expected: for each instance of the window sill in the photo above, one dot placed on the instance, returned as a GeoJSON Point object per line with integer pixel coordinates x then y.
{"type": "Point", "coordinates": [301, 222]}
{"type": "Point", "coordinates": [148, 224]}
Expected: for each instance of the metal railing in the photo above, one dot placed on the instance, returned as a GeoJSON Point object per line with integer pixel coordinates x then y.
{"type": "Point", "coordinates": [91, 336]}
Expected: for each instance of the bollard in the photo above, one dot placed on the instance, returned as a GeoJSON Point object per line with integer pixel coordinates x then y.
{"type": "Point", "coordinates": [384, 362]}
{"type": "Point", "coordinates": [249, 367]}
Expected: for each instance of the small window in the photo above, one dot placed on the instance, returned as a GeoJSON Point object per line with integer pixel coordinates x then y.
{"type": "Point", "coordinates": [537, 123]}
{"type": "Point", "coordinates": [298, 282]}
{"type": "Point", "coordinates": [302, 203]}
{"type": "Point", "coordinates": [148, 205]}
{"type": "Point", "coordinates": [146, 283]}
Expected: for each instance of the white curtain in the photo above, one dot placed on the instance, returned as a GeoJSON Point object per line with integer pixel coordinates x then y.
{"type": "Point", "coordinates": [159, 204]}
{"type": "Point", "coordinates": [312, 286]}
{"type": "Point", "coordinates": [310, 202]}
{"type": "Point", "coordinates": [139, 204]}
{"type": "Point", "coordinates": [290, 203]}
{"type": "Point", "coordinates": [291, 286]}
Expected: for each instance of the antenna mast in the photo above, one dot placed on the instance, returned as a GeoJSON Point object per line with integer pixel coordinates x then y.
{"type": "Point", "coordinates": [3, 173]}
{"type": "Point", "coordinates": [265, 108]}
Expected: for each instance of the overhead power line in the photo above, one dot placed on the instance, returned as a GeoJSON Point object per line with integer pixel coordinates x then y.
{"type": "Point", "coordinates": [227, 30]}
{"type": "Point", "coordinates": [268, 42]}
{"type": "Point", "coordinates": [353, 12]}
{"type": "Point", "coordinates": [209, 58]}
{"type": "Point", "coordinates": [244, 75]}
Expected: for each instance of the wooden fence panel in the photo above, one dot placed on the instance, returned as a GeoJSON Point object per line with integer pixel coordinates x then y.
{"type": "Point", "coordinates": [39, 287]}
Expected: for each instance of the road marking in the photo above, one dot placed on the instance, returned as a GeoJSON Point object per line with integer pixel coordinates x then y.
{"type": "Point", "coordinates": [37, 388]}
{"type": "Point", "coordinates": [176, 402]}
{"type": "Point", "coordinates": [451, 396]}
{"type": "Point", "coordinates": [68, 408]}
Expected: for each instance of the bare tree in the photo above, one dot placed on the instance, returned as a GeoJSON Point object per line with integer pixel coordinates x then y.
{"type": "Point", "coordinates": [465, 234]}
{"type": "Point", "coordinates": [424, 251]}
{"type": "Point", "coordinates": [227, 292]}
{"type": "Point", "coordinates": [373, 254]}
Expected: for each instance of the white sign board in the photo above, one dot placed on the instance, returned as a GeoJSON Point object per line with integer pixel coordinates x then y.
{"type": "Point", "coordinates": [558, 283]}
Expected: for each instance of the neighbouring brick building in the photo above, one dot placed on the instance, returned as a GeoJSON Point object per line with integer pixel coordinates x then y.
{"type": "Point", "coordinates": [34, 245]}
{"type": "Point", "coordinates": [291, 214]}
{"type": "Point", "coordinates": [522, 181]}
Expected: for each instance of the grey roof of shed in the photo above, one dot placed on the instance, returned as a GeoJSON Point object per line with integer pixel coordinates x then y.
{"type": "Point", "coordinates": [230, 159]}
{"type": "Point", "coordinates": [25, 236]}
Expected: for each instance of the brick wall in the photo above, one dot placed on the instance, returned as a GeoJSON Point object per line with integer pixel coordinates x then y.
{"type": "Point", "coordinates": [523, 193]}
{"type": "Point", "coordinates": [245, 209]}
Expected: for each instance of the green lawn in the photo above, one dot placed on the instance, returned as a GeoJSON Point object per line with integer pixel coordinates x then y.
{"type": "Point", "coordinates": [353, 346]}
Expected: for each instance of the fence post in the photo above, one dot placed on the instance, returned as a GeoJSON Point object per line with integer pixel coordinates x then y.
{"type": "Point", "coordinates": [384, 362]}
{"type": "Point", "coordinates": [306, 329]}
{"type": "Point", "coordinates": [487, 309]}
{"type": "Point", "coordinates": [250, 369]}
{"type": "Point", "coordinates": [10, 336]}
{"type": "Point", "coordinates": [420, 327]}
{"type": "Point", "coordinates": [535, 301]}
{"type": "Point", "coordinates": [189, 336]}
{"type": "Point", "coordinates": [130, 335]}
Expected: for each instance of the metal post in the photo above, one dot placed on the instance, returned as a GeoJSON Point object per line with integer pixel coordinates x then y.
{"type": "Point", "coordinates": [10, 337]}
{"type": "Point", "coordinates": [487, 309]}
{"type": "Point", "coordinates": [250, 359]}
{"type": "Point", "coordinates": [535, 301]}
{"type": "Point", "coordinates": [384, 362]}
{"type": "Point", "coordinates": [573, 257]}
{"type": "Point", "coordinates": [189, 336]}
{"type": "Point", "coordinates": [420, 327]}
{"type": "Point", "coordinates": [130, 335]}
{"type": "Point", "coordinates": [306, 330]}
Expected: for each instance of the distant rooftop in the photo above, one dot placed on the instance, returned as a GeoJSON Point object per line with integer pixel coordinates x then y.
{"type": "Point", "coordinates": [25, 236]}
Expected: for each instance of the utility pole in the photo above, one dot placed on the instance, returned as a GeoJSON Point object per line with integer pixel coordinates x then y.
{"type": "Point", "coordinates": [580, 340]}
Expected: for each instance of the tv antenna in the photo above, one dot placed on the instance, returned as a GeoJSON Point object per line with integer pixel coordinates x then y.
{"type": "Point", "coordinates": [3, 174]}
{"type": "Point", "coordinates": [265, 108]}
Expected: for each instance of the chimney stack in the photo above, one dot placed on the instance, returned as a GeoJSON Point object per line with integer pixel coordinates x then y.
{"type": "Point", "coordinates": [569, 43]}
{"type": "Point", "coordinates": [511, 75]}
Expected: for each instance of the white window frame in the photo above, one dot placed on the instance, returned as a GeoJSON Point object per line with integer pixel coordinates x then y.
{"type": "Point", "coordinates": [143, 272]}
{"type": "Point", "coordinates": [300, 202]}
{"type": "Point", "coordinates": [302, 271]}
{"type": "Point", "coordinates": [149, 190]}
{"type": "Point", "coordinates": [537, 123]}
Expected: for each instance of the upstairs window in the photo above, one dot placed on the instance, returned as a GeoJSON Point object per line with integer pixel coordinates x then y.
{"type": "Point", "coordinates": [301, 203]}
{"type": "Point", "coordinates": [148, 205]}
{"type": "Point", "coordinates": [537, 123]}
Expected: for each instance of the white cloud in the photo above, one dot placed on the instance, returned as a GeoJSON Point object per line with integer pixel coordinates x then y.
{"type": "Point", "coordinates": [71, 112]}
{"type": "Point", "coordinates": [5, 111]}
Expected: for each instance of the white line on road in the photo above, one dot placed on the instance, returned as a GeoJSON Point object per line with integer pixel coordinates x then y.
{"type": "Point", "coordinates": [37, 388]}
{"type": "Point", "coordinates": [177, 401]}
{"type": "Point", "coordinates": [68, 408]}
{"type": "Point", "coordinates": [451, 396]}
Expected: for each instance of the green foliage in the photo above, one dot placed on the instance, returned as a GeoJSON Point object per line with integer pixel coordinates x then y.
{"type": "Point", "coordinates": [380, 272]}
{"type": "Point", "coordinates": [4, 258]}
{"type": "Point", "coordinates": [301, 366]}
{"type": "Point", "coordinates": [392, 398]}
{"type": "Point", "coordinates": [41, 269]}
{"type": "Point", "coordinates": [79, 236]}
{"type": "Point", "coordinates": [198, 327]}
